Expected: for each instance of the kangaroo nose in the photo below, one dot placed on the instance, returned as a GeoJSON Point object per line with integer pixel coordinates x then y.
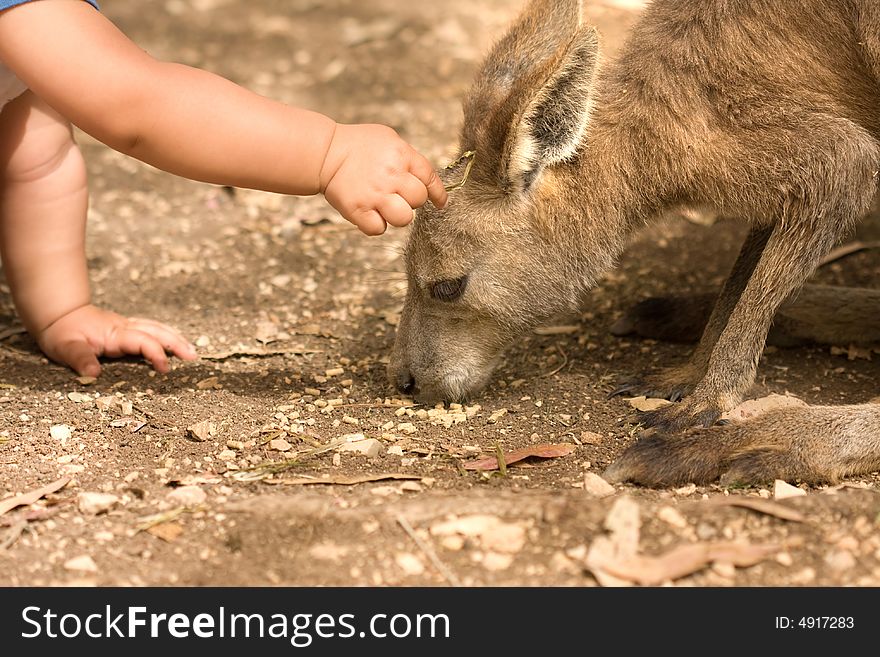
{"type": "Point", "coordinates": [406, 382]}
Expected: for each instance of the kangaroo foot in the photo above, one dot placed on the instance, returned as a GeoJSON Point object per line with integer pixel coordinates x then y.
{"type": "Point", "coordinates": [672, 383]}
{"type": "Point", "coordinates": [814, 445]}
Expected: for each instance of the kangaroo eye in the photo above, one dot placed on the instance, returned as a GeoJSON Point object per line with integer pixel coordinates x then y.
{"type": "Point", "coordinates": [449, 290]}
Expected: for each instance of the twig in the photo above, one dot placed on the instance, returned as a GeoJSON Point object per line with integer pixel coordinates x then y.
{"type": "Point", "coordinates": [502, 464]}
{"type": "Point", "coordinates": [257, 353]}
{"type": "Point", "coordinates": [12, 534]}
{"type": "Point", "coordinates": [557, 369]}
{"type": "Point", "coordinates": [447, 574]}
{"type": "Point", "coordinates": [156, 422]}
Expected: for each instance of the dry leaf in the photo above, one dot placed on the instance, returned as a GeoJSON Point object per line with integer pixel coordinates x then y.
{"type": "Point", "coordinates": [266, 332]}
{"type": "Point", "coordinates": [546, 451]}
{"type": "Point", "coordinates": [645, 404]}
{"type": "Point", "coordinates": [624, 523]}
{"type": "Point", "coordinates": [29, 498]}
{"type": "Point", "coordinates": [685, 560]}
{"type": "Point", "coordinates": [761, 506]}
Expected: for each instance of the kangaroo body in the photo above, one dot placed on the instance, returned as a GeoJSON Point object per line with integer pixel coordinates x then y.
{"type": "Point", "coordinates": [761, 110]}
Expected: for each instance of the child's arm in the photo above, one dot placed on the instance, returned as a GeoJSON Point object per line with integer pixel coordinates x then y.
{"type": "Point", "coordinates": [43, 200]}
{"type": "Point", "coordinates": [201, 126]}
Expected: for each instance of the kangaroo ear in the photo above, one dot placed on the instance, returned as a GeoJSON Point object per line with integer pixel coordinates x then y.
{"type": "Point", "coordinates": [544, 27]}
{"type": "Point", "coordinates": [552, 122]}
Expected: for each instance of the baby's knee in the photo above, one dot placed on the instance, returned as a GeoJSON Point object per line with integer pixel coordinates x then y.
{"type": "Point", "coordinates": [35, 142]}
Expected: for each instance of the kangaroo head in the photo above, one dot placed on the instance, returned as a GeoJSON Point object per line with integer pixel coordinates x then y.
{"type": "Point", "coordinates": [498, 259]}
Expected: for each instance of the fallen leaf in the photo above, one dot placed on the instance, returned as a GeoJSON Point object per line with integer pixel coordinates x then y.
{"type": "Point", "coordinates": [761, 506]}
{"type": "Point", "coordinates": [266, 332]}
{"type": "Point", "coordinates": [29, 498]}
{"type": "Point", "coordinates": [623, 523]}
{"type": "Point", "coordinates": [685, 560]}
{"type": "Point", "coordinates": [645, 404]}
{"type": "Point", "coordinates": [546, 451]}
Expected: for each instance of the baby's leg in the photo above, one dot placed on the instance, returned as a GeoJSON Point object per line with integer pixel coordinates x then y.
{"type": "Point", "coordinates": [43, 203]}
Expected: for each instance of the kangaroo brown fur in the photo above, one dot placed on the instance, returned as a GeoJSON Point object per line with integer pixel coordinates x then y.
{"type": "Point", "coordinates": [761, 110]}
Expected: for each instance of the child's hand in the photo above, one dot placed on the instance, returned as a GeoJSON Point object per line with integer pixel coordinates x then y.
{"type": "Point", "coordinates": [78, 338]}
{"type": "Point", "coordinates": [374, 178]}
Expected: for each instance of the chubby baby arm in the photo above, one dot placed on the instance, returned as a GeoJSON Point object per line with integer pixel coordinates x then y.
{"type": "Point", "coordinates": [43, 201]}
{"type": "Point", "coordinates": [198, 125]}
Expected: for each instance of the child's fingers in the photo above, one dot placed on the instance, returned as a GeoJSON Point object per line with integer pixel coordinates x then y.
{"type": "Point", "coordinates": [146, 321]}
{"type": "Point", "coordinates": [80, 357]}
{"type": "Point", "coordinates": [423, 171]}
{"type": "Point", "coordinates": [132, 341]}
{"type": "Point", "coordinates": [369, 221]}
{"type": "Point", "coordinates": [168, 337]}
{"type": "Point", "coordinates": [395, 210]}
{"type": "Point", "coordinates": [412, 190]}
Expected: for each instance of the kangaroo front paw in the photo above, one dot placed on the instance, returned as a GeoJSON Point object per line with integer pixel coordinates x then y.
{"type": "Point", "coordinates": [675, 418]}
{"type": "Point", "coordinates": [673, 384]}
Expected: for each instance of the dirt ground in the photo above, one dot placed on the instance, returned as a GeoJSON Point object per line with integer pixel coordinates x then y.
{"type": "Point", "coordinates": [212, 474]}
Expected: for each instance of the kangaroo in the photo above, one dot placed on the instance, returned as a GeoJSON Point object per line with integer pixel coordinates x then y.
{"type": "Point", "coordinates": [760, 110]}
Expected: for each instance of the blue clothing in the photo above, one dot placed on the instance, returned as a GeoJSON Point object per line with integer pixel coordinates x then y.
{"type": "Point", "coordinates": [6, 4]}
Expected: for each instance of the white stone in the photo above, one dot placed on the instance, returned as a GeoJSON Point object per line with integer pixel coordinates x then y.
{"type": "Point", "coordinates": [279, 444]}
{"type": "Point", "coordinates": [783, 490]}
{"type": "Point", "coordinates": [95, 503]}
{"type": "Point", "coordinates": [596, 486]}
{"type": "Point", "coordinates": [60, 432]}
{"type": "Point", "coordinates": [187, 496]}
{"type": "Point", "coordinates": [83, 564]}
{"type": "Point", "coordinates": [410, 563]}
{"type": "Point", "coordinates": [369, 447]}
